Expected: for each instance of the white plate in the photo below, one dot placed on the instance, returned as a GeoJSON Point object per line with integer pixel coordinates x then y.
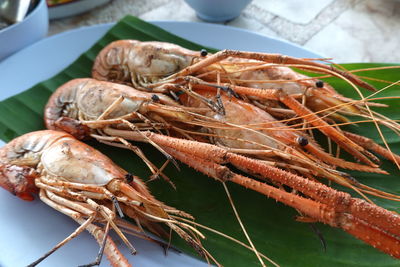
{"type": "Point", "coordinates": [29, 229]}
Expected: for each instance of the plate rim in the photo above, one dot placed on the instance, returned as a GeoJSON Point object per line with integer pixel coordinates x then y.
{"type": "Point", "coordinates": [106, 26]}
{"type": "Point", "coordinates": [158, 23]}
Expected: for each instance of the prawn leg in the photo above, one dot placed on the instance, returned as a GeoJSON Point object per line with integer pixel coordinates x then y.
{"type": "Point", "coordinates": [81, 130]}
{"type": "Point", "coordinates": [107, 214]}
{"type": "Point", "coordinates": [371, 145]}
{"type": "Point", "coordinates": [317, 191]}
{"type": "Point", "coordinates": [97, 261]}
{"type": "Point", "coordinates": [79, 230]}
{"type": "Point", "coordinates": [322, 212]}
{"type": "Point", "coordinates": [112, 252]}
{"type": "Point", "coordinates": [114, 256]}
{"type": "Point", "coordinates": [272, 94]}
{"type": "Point", "coordinates": [156, 172]}
{"type": "Point", "coordinates": [271, 58]}
{"type": "Point", "coordinates": [344, 142]}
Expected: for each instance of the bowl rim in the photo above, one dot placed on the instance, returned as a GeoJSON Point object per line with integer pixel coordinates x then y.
{"type": "Point", "coordinates": [62, 4]}
{"type": "Point", "coordinates": [35, 10]}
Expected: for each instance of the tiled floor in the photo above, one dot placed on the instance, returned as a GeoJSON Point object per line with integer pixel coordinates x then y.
{"type": "Point", "coordinates": [368, 32]}
{"type": "Point", "coordinates": [346, 30]}
{"type": "Point", "coordinates": [301, 12]}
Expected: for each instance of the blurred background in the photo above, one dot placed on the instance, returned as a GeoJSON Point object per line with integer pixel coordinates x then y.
{"type": "Point", "coordinates": [346, 30]}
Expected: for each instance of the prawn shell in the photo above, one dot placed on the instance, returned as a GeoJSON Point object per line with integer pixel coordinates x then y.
{"type": "Point", "coordinates": [77, 162]}
{"type": "Point", "coordinates": [241, 113]}
{"type": "Point", "coordinates": [128, 60]}
{"type": "Point", "coordinates": [94, 98]}
{"type": "Point", "coordinates": [87, 99]}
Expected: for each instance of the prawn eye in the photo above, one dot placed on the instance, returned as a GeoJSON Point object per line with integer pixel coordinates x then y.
{"type": "Point", "coordinates": [319, 84]}
{"type": "Point", "coordinates": [129, 178]}
{"type": "Point", "coordinates": [302, 141]}
{"type": "Point", "coordinates": [155, 98]}
{"type": "Point", "coordinates": [203, 52]}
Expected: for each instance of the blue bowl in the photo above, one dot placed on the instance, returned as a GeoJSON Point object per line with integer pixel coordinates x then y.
{"type": "Point", "coordinates": [19, 35]}
{"type": "Point", "coordinates": [218, 10]}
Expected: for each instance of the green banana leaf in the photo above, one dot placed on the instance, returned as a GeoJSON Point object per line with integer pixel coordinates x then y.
{"type": "Point", "coordinates": [271, 225]}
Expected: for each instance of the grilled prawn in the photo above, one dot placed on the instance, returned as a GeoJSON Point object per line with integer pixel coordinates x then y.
{"type": "Point", "coordinates": [85, 107]}
{"type": "Point", "coordinates": [264, 80]}
{"type": "Point", "coordinates": [85, 185]}
{"type": "Point", "coordinates": [114, 114]}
